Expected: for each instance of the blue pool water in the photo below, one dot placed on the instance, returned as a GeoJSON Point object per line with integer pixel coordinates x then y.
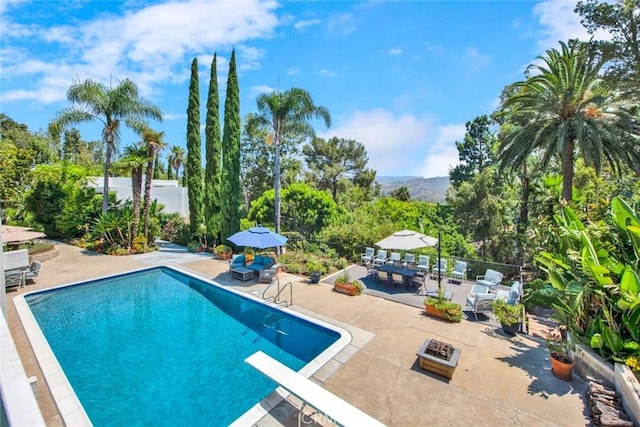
{"type": "Point", "coordinates": [159, 347]}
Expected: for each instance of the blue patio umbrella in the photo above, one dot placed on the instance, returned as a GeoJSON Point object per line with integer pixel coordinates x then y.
{"type": "Point", "coordinates": [258, 237]}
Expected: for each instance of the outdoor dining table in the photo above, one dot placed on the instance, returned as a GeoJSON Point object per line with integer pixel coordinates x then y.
{"type": "Point", "coordinates": [406, 273]}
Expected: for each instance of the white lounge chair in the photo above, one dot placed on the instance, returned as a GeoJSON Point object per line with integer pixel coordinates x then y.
{"type": "Point", "coordinates": [423, 264]}
{"type": "Point", "coordinates": [367, 256]}
{"type": "Point", "coordinates": [409, 260]}
{"type": "Point", "coordinates": [440, 266]}
{"type": "Point", "coordinates": [512, 295]}
{"type": "Point", "coordinates": [34, 270]}
{"type": "Point", "coordinates": [480, 300]}
{"type": "Point", "coordinates": [380, 258]}
{"type": "Point", "coordinates": [459, 270]}
{"type": "Point", "coordinates": [394, 258]}
{"type": "Point", "coordinates": [490, 278]}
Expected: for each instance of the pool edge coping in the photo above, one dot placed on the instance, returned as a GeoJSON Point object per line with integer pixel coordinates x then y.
{"type": "Point", "coordinates": [66, 400]}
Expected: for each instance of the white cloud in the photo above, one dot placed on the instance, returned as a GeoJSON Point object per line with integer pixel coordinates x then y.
{"type": "Point", "coordinates": [341, 25]}
{"type": "Point", "coordinates": [474, 59]}
{"type": "Point", "coordinates": [293, 71]}
{"type": "Point", "coordinates": [259, 90]}
{"type": "Point", "coordinates": [442, 153]}
{"type": "Point", "coordinates": [150, 44]}
{"type": "Point", "coordinates": [306, 23]}
{"type": "Point", "coordinates": [395, 51]}
{"type": "Point", "coordinates": [393, 142]}
{"type": "Point", "coordinates": [561, 23]}
{"type": "Point", "coordinates": [324, 72]}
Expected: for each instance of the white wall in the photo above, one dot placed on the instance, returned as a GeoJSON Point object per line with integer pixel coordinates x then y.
{"type": "Point", "coordinates": [168, 193]}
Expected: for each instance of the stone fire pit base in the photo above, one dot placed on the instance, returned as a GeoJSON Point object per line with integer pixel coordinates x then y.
{"type": "Point", "coordinates": [435, 364]}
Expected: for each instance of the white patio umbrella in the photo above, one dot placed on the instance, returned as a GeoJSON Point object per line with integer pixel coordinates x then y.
{"type": "Point", "coordinates": [407, 240]}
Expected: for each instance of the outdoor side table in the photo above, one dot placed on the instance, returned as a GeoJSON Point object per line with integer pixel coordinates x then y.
{"type": "Point", "coordinates": [242, 273]}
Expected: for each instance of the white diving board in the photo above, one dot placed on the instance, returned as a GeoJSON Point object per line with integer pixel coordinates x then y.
{"type": "Point", "coordinates": [311, 393]}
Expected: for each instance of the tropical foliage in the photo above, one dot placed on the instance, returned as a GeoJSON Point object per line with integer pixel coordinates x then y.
{"type": "Point", "coordinates": [594, 279]}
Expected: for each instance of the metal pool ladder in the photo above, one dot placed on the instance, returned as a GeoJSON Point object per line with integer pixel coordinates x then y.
{"type": "Point", "coordinates": [276, 298]}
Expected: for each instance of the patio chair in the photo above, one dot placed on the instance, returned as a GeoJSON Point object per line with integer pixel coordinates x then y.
{"type": "Point", "coordinates": [13, 278]}
{"type": "Point", "coordinates": [440, 266]}
{"type": "Point", "coordinates": [459, 270]}
{"type": "Point", "coordinates": [397, 279]}
{"type": "Point", "coordinates": [409, 260]}
{"type": "Point", "coordinates": [394, 258]}
{"type": "Point", "coordinates": [512, 295]}
{"type": "Point", "coordinates": [419, 281]}
{"type": "Point", "coordinates": [380, 258]}
{"type": "Point", "coordinates": [480, 300]}
{"type": "Point", "coordinates": [34, 269]}
{"type": "Point", "coordinates": [490, 278]}
{"type": "Point", "coordinates": [423, 264]}
{"type": "Point", "coordinates": [367, 256]}
{"type": "Point", "coordinates": [382, 277]}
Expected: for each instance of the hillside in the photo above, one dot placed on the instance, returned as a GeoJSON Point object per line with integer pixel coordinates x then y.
{"type": "Point", "coordinates": [428, 189]}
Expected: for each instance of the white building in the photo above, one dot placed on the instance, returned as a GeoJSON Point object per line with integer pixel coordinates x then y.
{"type": "Point", "coordinates": [167, 192]}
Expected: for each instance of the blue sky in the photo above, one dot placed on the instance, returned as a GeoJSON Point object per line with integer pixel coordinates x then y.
{"type": "Point", "coordinates": [402, 78]}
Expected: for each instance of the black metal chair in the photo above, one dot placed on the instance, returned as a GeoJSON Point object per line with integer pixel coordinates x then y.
{"type": "Point", "coordinates": [419, 281]}
{"type": "Point", "coordinates": [382, 276]}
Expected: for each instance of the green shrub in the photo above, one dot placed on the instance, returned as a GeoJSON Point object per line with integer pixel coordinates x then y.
{"type": "Point", "coordinates": [139, 244]}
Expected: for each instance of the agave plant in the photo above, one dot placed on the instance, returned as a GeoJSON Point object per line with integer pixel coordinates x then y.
{"type": "Point", "coordinates": [596, 283]}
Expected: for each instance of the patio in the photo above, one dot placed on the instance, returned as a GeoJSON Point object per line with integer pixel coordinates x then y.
{"type": "Point", "coordinates": [498, 381]}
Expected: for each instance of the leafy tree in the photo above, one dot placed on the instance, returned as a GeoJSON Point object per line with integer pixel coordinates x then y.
{"type": "Point", "coordinates": [289, 111]}
{"type": "Point", "coordinates": [193, 170]}
{"type": "Point", "coordinates": [94, 101]}
{"type": "Point", "coordinates": [621, 19]}
{"type": "Point", "coordinates": [154, 143]}
{"type": "Point", "coordinates": [560, 109]}
{"type": "Point", "coordinates": [71, 145]}
{"type": "Point", "coordinates": [334, 163]}
{"type": "Point", "coordinates": [213, 149]}
{"type": "Point", "coordinates": [134, 159]}
{"type": "Point", "coordinates": [230, 192]}
{"type": "Point", "coordinates": [482, 214]}
{"type": "Point", "coordinates": [401, 193]}
{"type": "Point", "coordinates": [257, 160]}
{"type": "Point", "coordinates": [475, 151]}
{"type": "Point", "coordinates": [176, 159]}
{"type": "Point", "coordinates": [304, 210]}
{"type": "Point", "coordinates": [157, 166]}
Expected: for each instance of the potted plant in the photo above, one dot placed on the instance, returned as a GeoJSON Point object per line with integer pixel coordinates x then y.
{"type": "Point", "coordinates": [194, 246]}
{"type": "Point", "coordinates": [343, 285]}
{"type": "Point", "coordinates": [315, 271]}
{"type": "Point", "coordinates": [509, 315]}
{"type": "Point", "coordinates": [441, 308]}
{"type": "Point", "coordinates": [562, 361]}
{"type": "Point", "coordinates": [249, 253]}
{"type": "Point", "coordinates": [223, 252]}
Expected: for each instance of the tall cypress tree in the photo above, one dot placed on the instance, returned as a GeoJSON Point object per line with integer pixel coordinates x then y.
{"type": "Point", "coordinates": [213, 149]}
{"type": "Point", "coordinates": [194, 158]}
{"type": "Point", "coordinates": [231, 195]}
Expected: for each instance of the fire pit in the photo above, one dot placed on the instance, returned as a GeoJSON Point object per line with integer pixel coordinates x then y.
{"type": "Point", "coordinates": [438, 357]}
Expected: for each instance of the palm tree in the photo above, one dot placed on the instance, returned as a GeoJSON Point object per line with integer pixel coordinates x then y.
{"type": "Point", "coordinates": [176, 159]}
{"type": "Point", "coordinates": [134, 159]}
{"type": "Point", "coordinates": [562, 107]}
{"type": "Point", "coordinates": [284, 113]}
{"type": "Point", "coordinates": [154, 143]}
{"type": "Point", "coordinates": [111, 106]}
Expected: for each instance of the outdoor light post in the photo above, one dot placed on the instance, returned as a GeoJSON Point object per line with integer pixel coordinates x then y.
{"type": "Point", "coordinates": [438, 264]}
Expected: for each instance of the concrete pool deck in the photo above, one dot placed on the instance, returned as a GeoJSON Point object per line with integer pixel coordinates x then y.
{"type": "Point", "coordinates": [498, 381]}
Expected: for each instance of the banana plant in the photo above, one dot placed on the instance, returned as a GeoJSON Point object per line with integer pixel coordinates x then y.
{"type": "Point", "coordinates": [598, 296]}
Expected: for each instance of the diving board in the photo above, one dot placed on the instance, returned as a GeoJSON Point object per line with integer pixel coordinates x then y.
{"type": "Point", "coordinates": [311, 393]}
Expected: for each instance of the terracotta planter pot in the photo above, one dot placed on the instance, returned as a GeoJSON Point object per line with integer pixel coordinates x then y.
{"type": "Point", "coordinates": [431, 311]}
{"type": "Point", "coordinates": [345, 288]}
{"type": "Point", "coordinates": [224, 256]}
{"type": "Point", "coordinates": [562, 369]}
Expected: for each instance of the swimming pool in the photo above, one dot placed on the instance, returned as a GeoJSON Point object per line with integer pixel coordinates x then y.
{"type": "Point", "coordinates": [159, 346]}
